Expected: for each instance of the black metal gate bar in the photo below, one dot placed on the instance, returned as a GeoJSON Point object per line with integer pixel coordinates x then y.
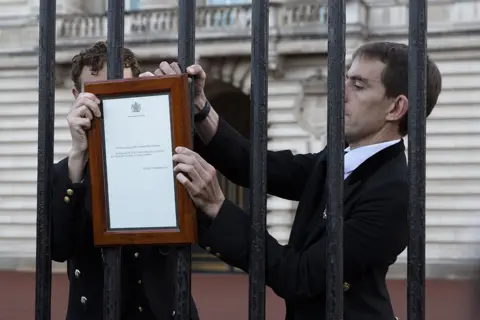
{"type": "Point", "coordinates": [417, 78]}
{"type": "Point", "coordinates": [112, 256]}
{"type": "Point", "coordinates": [335, 161]}
{"type": "Point", "coordinates": [186, 57]}
{"type": "Point", "coordinates": [258, 160]}
{"type": "Point", "coordinates": [46, 118]}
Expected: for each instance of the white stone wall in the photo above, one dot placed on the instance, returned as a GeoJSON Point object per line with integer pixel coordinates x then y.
{"type": "Point", "coordinates": [14, 8]}
{"type": "Point", "coordinates": [18, 156]}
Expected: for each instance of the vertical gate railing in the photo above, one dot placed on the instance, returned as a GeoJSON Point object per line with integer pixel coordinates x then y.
{"type": "Point", "coordinates": [259, 108]}
{"type": "Point", "coordinates": [335, 163]}
{"type": "Point", "coordinates": [186, 57]}
{"type": "Point", "coordinates": [46, 118]}
{"type": "Point", "coordinates": [112, 257]}
{"type": "Point", "coordinates": [258, 163]}
{"type": "Point", "coordinates": [417, 78]}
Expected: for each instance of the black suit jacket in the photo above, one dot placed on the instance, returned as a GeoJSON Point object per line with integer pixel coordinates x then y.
{"type": "Point", "coordinates": [148, 272]}
{"type": "Point", "coordinates": [375, 226]}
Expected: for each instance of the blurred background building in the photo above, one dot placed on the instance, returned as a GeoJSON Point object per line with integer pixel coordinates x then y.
{"type": "Point", "coordinates": [297, 102]}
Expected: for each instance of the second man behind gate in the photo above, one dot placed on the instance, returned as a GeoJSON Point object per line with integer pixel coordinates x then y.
{"type": "Point", "coordinates": [148, 273]}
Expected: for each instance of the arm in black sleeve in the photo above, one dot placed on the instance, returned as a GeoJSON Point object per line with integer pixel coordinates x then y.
{"type": "Point", "coordinates": [376, 233]}
{"type": "Point", "coordinates": [71, 225]}
{"type": "Point", "coordinates": [229, 153]}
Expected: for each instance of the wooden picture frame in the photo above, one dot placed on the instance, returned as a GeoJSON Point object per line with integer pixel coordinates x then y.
{"type": "Point", "coordinates": [142, 121]}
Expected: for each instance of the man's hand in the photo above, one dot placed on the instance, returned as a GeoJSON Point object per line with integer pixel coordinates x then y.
{"type": "Point", "coordinates": [200, 99]}
{"type": "Point", "coordinates": [79, 121]}
{"type": "Point", "coordinates": [200, 180]}
{"type": "Point", "coordinates": [207, 128]}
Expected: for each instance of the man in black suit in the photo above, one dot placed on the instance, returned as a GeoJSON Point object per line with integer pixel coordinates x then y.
{"type": "Point", "coordinates": [375, 190]}
{"type": "Point", "coordinates": [148, 272]}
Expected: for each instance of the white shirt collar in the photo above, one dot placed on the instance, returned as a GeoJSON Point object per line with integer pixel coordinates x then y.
{"type": "Point", "coordinates": [354, 158]}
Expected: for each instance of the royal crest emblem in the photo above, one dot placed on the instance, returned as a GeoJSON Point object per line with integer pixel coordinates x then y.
{"type": "Point", "coordinates": [136, 107]}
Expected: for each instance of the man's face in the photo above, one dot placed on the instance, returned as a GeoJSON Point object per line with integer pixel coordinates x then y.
{"type": "Point", "coordinates": [366, 106]}
{"type": "Point", "coordinates": [87, 76]}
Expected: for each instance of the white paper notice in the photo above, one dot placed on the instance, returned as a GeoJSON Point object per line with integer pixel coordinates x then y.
{"type": "Point", "coordinates": [138, 155]}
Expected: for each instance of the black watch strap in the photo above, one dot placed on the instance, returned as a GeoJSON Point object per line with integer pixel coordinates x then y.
{"type": "Point", "coordinates": [202, 114]}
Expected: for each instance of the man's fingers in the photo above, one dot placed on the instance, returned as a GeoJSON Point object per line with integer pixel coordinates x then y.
{"type": "Point", "coordinates": [166, 68]}
{"type": "Point", "coordinates": [146, 74]}
{"type": "Point", "coordinates": [82, 112]}
{"type": "Point", "coordinates": [191, 160]}
{"type": "Point", "coordinates": [184, 158]}
{"type": "Point", "coordinates": [85, 124]}
{"type": "Point", "coordinates": [88, 95]}
{"type": "Point", "coordinates": [80, 123]}
{"type": "Point", "coordinates": [185, 151]}
{"type": "Point", "coordinates": [189, 170]}
{"type": "Point", "coordinates": [91, 104]}
{"type": "Point", "coordinates": [197, 70]}
{"type": "Point", "coordinates": [191, 188]}
{"type": "Point", "coordinates": [176, 67]}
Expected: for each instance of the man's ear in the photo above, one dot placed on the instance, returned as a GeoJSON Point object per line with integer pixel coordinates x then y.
{"type": "Point", "coordinates": [398, 109]}
{"type": "Point", "coordinates": [75, 92]}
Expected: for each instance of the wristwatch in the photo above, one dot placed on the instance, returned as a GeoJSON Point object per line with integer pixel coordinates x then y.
{"type": "Point", "coordinates": [203, 114]}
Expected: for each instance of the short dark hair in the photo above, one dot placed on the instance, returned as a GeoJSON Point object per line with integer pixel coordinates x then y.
{"type": "Point", "coordinates": [95, 57]}
{"type": "Point", "coordinates": [395, 75]}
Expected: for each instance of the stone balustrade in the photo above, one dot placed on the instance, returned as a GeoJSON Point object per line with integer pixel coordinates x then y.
{"type": "Point", "coordinates": [306, 19]}
{"type": "Point", "coordinates": [212, 22]}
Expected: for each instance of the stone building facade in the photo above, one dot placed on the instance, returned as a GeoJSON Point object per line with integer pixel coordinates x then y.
{"type": "Point", "coordinates": [297, 100]}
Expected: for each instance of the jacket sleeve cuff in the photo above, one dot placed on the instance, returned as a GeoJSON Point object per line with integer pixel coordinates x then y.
{"type": "Point", "coordinates": [72, 194]}
{"type": "Point", "coordinates": [228, 236]}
